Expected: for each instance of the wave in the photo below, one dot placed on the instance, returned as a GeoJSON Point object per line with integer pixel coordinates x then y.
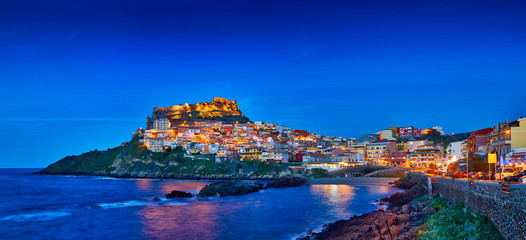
{"type": "Point", "coordinates": [40, 216]}
{"type": "Point", "coordinates": [132, 203]}
{"type": "Point", "coordinates": [135, 203]}
{"type": "Point", "coordinates": [121, 179]}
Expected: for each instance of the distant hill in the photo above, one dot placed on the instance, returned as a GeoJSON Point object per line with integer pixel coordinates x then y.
{"type": "Point", "coordinates": [220, 109]}
{"type": "Point", "coordinates": [461, 136]}
{"type": "Point", "coordinates": [445, 140]}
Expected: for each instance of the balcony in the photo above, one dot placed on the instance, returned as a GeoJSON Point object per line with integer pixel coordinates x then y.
{"type": "Point", "coordinates": [502, 142]}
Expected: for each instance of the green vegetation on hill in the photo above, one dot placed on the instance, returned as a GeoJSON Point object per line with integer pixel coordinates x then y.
{"type": "Point", "coordinates": [134, 160]}
{"type": "Point", "coordinates": [319, 173]}
{"type": "Point", "coordinates": [457, 223]}
{"type": "Point", "coordinates": [445, 140]}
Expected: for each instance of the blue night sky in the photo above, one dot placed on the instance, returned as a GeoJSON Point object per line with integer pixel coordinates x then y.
{"type": "Point", "coordinates": [80, 75]}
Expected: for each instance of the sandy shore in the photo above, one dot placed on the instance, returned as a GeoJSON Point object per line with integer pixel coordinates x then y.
{"type": "Point", "coordinates": [375, 181]}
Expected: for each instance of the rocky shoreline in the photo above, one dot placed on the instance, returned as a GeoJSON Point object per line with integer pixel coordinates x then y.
{"type": "Point", "coordinates": [401, 220]}
{"type": "Point", "coordinates": [156, 176]}
{"type": "Point", "coordinates": [228, 188]}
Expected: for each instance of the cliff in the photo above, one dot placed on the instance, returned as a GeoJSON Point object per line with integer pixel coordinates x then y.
{"type": "Point", "coordinates": [219, 109]}
{"type": "Point", "coordinates": [134, 160]}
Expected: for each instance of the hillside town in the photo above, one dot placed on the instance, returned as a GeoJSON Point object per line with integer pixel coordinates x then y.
{"type": "Point", "coordinates": [406, 146]}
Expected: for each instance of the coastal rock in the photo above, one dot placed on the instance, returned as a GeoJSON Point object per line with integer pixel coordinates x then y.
{"type": "Point", "coordinates": [155, 199]}
{"type": "Point", "coordinates": [429, 211]}
{"type": "Point", "coordinates": [287, 182]}
{"type": "Point", "coordinates": [406, 209]}
{"type": "Point", "coordinates": [402, 198]}
{"type": "Point", "coordinates": [227, 188]}
{"type": "Point", "coordinates": [402, 218]}
{"type": "Point", "coordinates": [396, 208]}
{"type": "Point", "coordinates": [179, 194]}
{"type": "Point", "coordinates": [394, 230]}
{"type": "Point", "coordinates": [404, 183]}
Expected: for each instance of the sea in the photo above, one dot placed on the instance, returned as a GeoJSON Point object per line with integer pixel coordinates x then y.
{"type": "Point", "coordinates": [62, 207]}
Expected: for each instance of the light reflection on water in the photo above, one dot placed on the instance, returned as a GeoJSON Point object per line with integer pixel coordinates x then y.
{"type": "Point", "coordinates": [269, 214]}
{"type": "Point", "coordinates": [128, 212]}
{"type": "Point", "coordinates": [194, 221]}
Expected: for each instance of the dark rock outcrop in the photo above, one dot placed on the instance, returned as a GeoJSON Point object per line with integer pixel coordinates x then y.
{"type": "Point", "coordinates": [402, 198]}
{"type": "Point", "coordinates": [404, 183]}
{"type": "Point", "coordinates": [179, 194]}
{"type": "Point", "coordinates": [227, 188]}
{"type": "Point", "coordinates": [287, 182]}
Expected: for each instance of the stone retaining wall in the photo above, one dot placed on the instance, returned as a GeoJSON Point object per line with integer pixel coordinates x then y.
{"type": "Point", "coordinates": [506, 210]}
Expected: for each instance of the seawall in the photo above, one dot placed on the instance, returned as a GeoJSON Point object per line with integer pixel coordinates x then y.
{"type": "Point", "coordinates": [504, 204]}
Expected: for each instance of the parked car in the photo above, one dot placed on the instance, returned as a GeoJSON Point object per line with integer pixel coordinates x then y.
{"type": "Point", "coordinates": [472, 175]}
{"type": "Point", "coordinates": [506, 172]}
{"type": "Point", "coordinates": [516, 177]}
{"type": "Point", "coordinates": [482, 176]}
{"type": "Point", "coordinates": [458, 175]}
{"type": "Point", "coordinates": [429, 171]}
{"type": "Point", "coordinates": [491, 176]}
{"type": "Point", "coordinates": [465, 174]}
{"type": "Point", "coordinates": [522, 179]}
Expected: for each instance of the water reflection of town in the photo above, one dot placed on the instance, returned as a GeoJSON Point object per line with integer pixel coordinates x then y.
{"type": "Point", "coordinates": [333, 192]}
{"type": "Point", "coordinates": [177, 219]}
{"type": "Point", "coordinates": [195, 221]}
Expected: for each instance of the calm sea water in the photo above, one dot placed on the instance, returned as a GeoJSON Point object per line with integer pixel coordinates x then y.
{"type": "Point", "coordinates": [58, 207]}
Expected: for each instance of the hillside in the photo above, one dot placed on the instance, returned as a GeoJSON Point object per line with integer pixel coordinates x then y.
{"type": "Point", "coordinates": [134, 160]}
{"type": "Point", "coordinates": [445, 140]}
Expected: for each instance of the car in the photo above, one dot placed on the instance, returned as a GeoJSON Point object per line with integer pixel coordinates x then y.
{"type": "Point", "coordinates": [465, 175]}
{"type": "Point", "coordinates": [506, 172]}
{"type": "Point", "coordinates": [472, 175]}
{"type": "Point", "coordinates": [429, 171]}
{"type": "Point", "coordinates": [458, 175]}
{"type": "Point", "coordinates": [491, 176]}
{"type": "Point", "coordinates": [522, 179]}
{"type": "Point", "coordinates": [516, 177]}
{"type": "Point", "coordinates": [482, 176]}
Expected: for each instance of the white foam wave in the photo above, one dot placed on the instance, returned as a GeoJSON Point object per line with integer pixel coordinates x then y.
{"type": "Point", "coordinates": [120, 179]}
{"type": "Point", "coordinates": [132, 203]}
{"type": "Point", "coordinates": [40, 216]}
{"type": "Point", "coordinates": [177, 203]}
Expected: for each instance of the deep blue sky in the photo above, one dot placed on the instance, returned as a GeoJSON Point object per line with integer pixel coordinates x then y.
{"type": "Point", "coordinates": [80, 75]}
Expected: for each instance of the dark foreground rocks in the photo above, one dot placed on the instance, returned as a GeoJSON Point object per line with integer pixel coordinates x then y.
{"type": "Point", "coordinates": [179, 194]}
{"type": "Point", "coordinates": [404, 183]}
{"type": "Point", "coordinates": [397, 222]}
{"type": "Point", "coordinates": [401, 220]}
{"type": "Point", "coordinates": [227, 188]}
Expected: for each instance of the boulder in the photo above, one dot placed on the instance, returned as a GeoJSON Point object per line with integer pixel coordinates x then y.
{"type": "Point", "coordinates": [394, 230]}
{"type": "Point", "coordinates": [406, 209]}
{"type": "Point", "coordinates": [227, 188]}
{"type": "Point", "coordinates": [396, 208]}
{"type": "Point", "coordinates": [156, 199]}
{"type": "Point", "coordinates": [402, 218]}
{"type": "Point", "coordinates": [429, 211]}
{"type": "Point", "coordinates": [287, 182]}
{"type": "Point", "coordinates": [179, 194]}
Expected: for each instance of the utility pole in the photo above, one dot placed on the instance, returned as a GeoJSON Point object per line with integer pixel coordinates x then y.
{"type": "Point", "coordinates": [498, 157]}
{"type": "Point", "coordinates": [467, 156]}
